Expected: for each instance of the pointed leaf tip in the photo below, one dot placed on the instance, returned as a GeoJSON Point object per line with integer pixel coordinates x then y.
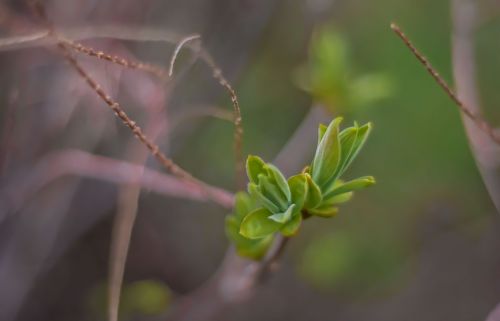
{"type": "Point", "coordinates": [328, 153]}
{"type": "Point", "coordinates": [254, 167]}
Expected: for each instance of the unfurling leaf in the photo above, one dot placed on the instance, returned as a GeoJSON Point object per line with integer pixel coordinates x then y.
{"type": "Point", "coordinates": [280, 180]}
{"type": "Point", "coordinates": [328, 154]}
{"type": "Point", "coordinates": [250, 248]}
{"type": "Point", "coordinates": [283, 217]}
{"type": "Point", "coordinates": [258, 225]}
{"type": "Point", "coordinates": [255, 166]}
{"type": "Point", "coordinates": [298, 189]}
{"type": "Point", "coordinates": [324, 212]}
{"type": "Point", "coordinates": [354, 185]}
{"type": "Point", "coordinates": [291, 228]}
{"type": "Point", "coordinates": [313, 193]}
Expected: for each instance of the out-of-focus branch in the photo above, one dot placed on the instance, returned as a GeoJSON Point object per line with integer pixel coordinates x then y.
{"type": "Point", "coordinates": [8, 125]}
{"type": "Point", "coordinates": [128, 200]}
{"type": "Point", "coordinates": [76, 162]}
{"type": "Point", "coordinates": [494, 315]}
{"type": "Point", "coordinates": [486, 150]}
{"type": "Point", "coordinates": [118, 32]}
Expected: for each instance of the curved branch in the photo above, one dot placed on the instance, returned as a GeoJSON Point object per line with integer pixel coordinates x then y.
{"type": "Point", "coordinates": [484, 147]}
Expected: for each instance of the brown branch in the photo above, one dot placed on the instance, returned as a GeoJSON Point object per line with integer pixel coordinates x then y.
{"type": "Point", "coordinates": [476, 118]}
{"type": "Point", "coordinates": [136, 130]}
{"type": "Point", "coordinates": [216, 73]}
{"type": "Point", "coordinates": [495, 314]}
{"type": "Point", "coordinates": [120, 113]}
{"type": "Point", "coordinates": [126, 33]}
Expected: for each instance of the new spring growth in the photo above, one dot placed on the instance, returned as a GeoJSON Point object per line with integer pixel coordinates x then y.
{"type": "Point", "coordinates": [275, 204]}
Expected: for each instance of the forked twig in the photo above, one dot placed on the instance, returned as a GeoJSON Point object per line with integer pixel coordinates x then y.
{"type": "Point", "coordinates": [118, 110]}
{"type": "Point", "coordinates": [477, 119]}
{"type": "Point", "coordinates": [125, 33]}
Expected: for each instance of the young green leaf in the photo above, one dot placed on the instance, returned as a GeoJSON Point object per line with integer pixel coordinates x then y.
{"type": "Point", "coordinates": [252, 249]}
{"type": "Point", "coordinates": [328, 154]}
{"type": "Point", "coordinates": [321, 131]}
{"type": "Point", "coordinates": [255, 192]}
{"type": "Point", "coordinates": [363, 133]}
{"type": "Point", "coordinates": [280, 180]}
{"type": "Point", "coordinates": [348, 138]}
{"type": "Point", "coordinates": [272, 192]}
{"type": "Point", "coordinates": [283, 217]}
{"type": "Point", "coordinates": [354, 185]}
{"type": "Point", "coordinates": [291, 228]}
{"type": "Point", "coordinates": [313, 193]}
{"type": "Point", "coordinates": [337, 199]}
{"type": "Point", "coordinates": [242, 204]}
{"type": "Point", "coordinates": [255, 166]}
{"type": "Point", "coordinates": [258, 225]}
{"type": "Point", "coordinates": [324, 211]}
{"type": "Point", "coordinates": [298, 189]}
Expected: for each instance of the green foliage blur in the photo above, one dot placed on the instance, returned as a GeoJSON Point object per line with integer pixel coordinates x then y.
{"type": "Point", "coordinates": [140, 298]}
{"type": "Point", "coordinates": [275, 204]}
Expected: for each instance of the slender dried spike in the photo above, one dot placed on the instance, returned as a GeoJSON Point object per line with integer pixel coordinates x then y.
{"type": "Point", "coordinates": [238, 131]}
{"type": "Point", "coordinates": [481, 123]}
{"type": "Point", "coordinates": [156, 70]}
{"type": "Point", "coordinates": [177, 50]}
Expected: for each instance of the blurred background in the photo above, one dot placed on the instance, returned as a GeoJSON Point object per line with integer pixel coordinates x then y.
{"type": "Point", "coordinates": [423, 244]}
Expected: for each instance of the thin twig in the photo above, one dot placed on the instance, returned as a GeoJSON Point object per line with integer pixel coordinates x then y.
{"type": "Point", "coordinates": [238, 132]}
{"type": "Point", "coordinates": [481, 123]}
{"type": "Point", "coordinates": [147, 67]}
{"type": "Point", "coordinates": [178, 48]}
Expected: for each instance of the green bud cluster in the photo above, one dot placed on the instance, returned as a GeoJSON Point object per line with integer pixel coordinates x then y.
{"type": "Point", "coordinates": [275, 204]}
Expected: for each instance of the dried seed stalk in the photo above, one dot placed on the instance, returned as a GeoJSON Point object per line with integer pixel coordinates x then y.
{"type": "Point", "coordinates": [477, 119]}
